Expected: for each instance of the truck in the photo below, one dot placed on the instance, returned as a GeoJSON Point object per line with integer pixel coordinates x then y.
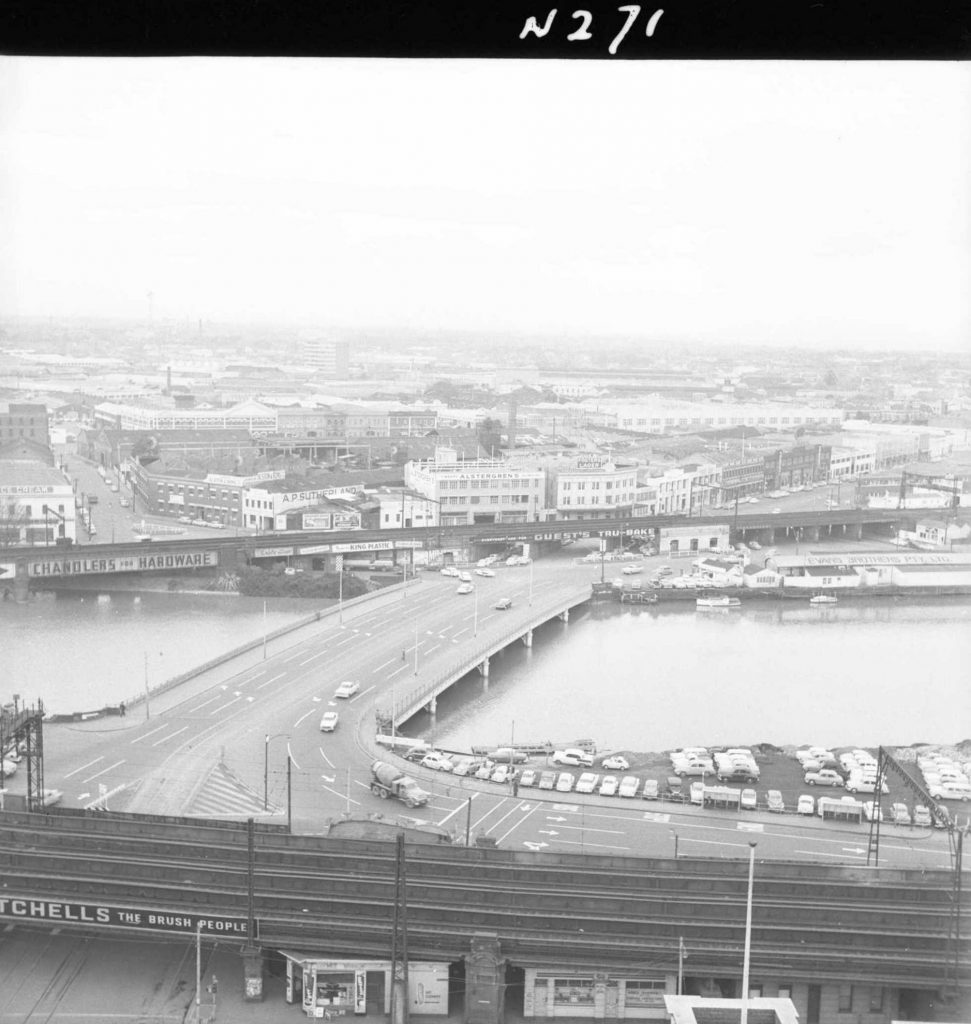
{"type": "Point", "coordinates": [387, 780]}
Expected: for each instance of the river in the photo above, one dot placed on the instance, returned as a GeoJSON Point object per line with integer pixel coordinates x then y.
{"type": "Point", "coordinates": [885, 671]}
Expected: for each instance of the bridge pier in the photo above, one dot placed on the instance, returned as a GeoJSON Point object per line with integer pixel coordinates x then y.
{"type": "Point", "coordinates": [528, 638]}
{"type": "Point", "coordinates": [483, 668]}
{"type": "Point", "coordinates": [432, 706]}
{"type": "Point", "coordinates": [564, 616]}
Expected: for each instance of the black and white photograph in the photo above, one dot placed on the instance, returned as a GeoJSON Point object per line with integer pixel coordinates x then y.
{"type": "Point", "coordinates": [485, 540]}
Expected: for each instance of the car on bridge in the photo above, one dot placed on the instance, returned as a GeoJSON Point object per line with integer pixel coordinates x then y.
{"type": "Point", "coordinates": [824, 777]}
{"type": "Point", "coordinates": [329, 720]}
{"type": "Point", "coordinates": [631, 570]}
{"type": "Point", "coordinates": [484, 572]}
{"type": "Point", "coordinates": [465, 588]}
{"type": "Point", "coordinates": [347, 689]}
{"type": "Point", "coordinates": [450, 571]}
{"type": "Point", "coordinates": [503, 604]}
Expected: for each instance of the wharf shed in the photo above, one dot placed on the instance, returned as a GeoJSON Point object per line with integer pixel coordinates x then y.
{"type": "Point", "coordinates": [873, 569]}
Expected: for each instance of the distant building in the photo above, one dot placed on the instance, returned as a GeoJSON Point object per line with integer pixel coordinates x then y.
{"type": "Point", "coordinates": [662, 416]}
{"type": "Point", "coordinates": [329, 358]}
{"type": "Point", "coordinates": [24, 420]}
{"type": "Point", "coordinates": [252, 416]}
{"type": "Point", "coordinates": [797, 466]}
{"type": "Point", "coordinates": [478, 491]}
{"type": "Point", "coordinates": [36, 504]}
{"type": "Point", "coordinates": [590, 486]}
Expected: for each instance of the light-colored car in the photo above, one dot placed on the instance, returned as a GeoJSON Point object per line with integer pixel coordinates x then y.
{"type": "Point", "coordinates": [609, 785]}
{"type": "Point", "coordinates": [749, 800]}
{"type": "Point", "coordinates": [859, 784]}
{"type": "Point", "coordinates": [587, 782]}
{"type": "Point", "coordinates": [437, 761]}
{"type": "Point", "coordinates": [484, 771]}
{"type": "Point", "coordinates": [922, 816]}
{"type": "Point", "coordinates": [464, 766]}
{"type": "Point", "coordinates": [484, 572]}
{"type": "Point", "coordinates": [872, 810]}
{"type": "Point", "coordinates": [328, 721]}
{"type": "Point", "coordinates": [450, 571]}
{"type": "Point", "coordinates": [125, 502]}
{"type": "Point", "coordinates": [503, 604]}
{"type": "Point", "coordinates": [547, 780]}
{"type": "Point", "coordinates": [615, 763]}
{"type": "Point", "coordinates": [631, 570]}
{"type": "Point", "coordinates": [465, 588]}
{"type": "Point", "coordinates": [824, 777]}
{"type": "Point", "coordinates": [503, 773]}
{"type": "Point", "coordinates": [564, 782]}
{"type": "Point", "coordinates": [694, 768]}
{"type": "Point", "coordinates": [651, 789]}
{"type": "Point", "coordinates": [806, 805]}
{"type": "Point", "coordinates": [347, 689]}
{"type": "Point", "coordinates": [50, 797]}
{"type": "Point", "coordinates": [465, 577]}
{"type": "Point", "coordinates": [529, 777]}
{"type": "Point", "coordinates": [775, 803]}
{"type": "Point", "coordinates": [572, 756]}
{"type": "Point", "coordinates": [629, 785]}
{"type": "Point", "coordinates": [950, 790]}
{"type": "Point", "coordinates": [899, 814]}
{"type": "Point", "coordinates": [696, 793]}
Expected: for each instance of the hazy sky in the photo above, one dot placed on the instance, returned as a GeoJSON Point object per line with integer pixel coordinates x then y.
{"type": "Point", "coordinates": [793, 202]}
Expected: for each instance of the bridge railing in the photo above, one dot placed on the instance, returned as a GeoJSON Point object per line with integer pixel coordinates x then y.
{"type": "Point", "coordinates": [448, 671]}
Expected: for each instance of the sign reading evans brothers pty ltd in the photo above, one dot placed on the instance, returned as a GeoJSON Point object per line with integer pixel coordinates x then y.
{"type": "Point", "coordinates": [24, 909]}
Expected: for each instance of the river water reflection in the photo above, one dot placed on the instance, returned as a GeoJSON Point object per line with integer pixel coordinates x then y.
{"type": "Point", "coordinates": [641, 679]}
{"type": "Point", "coordinates": [80, 651]}
{"type": "Point", "coordinates": [652, 679]}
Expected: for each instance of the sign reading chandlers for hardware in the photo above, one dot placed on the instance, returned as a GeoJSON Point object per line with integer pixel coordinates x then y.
{"type": "Point", "coordinates": [25, 909]}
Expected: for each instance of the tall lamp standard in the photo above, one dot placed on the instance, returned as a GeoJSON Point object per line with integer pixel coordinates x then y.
{"type": "Point", "coordinates": [266, 766]}
{"type": "Point", "coordinates": [748, 932]}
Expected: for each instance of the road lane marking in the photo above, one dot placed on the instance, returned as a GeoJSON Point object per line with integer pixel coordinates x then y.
{"type": "Point", "coordinates": [103, 771]}
{"type": "Point", "coordinates": [463, 806]}
{"type": "Point", "coordinates": [385, 664]}
{"type": "Point", "coordinates": [199, 707]}
{"type": "Point", "coordinates": [711, 842]}
{"type": "Point", "coordinates": [81, 769]}
{"type": "Point", "coordinates": [400, 668]}
{"type": "Point", "coordinates": [296, 654]}
{"type": "Point", "coordinates": [430, 649]}
{"type": "Point", "coordinates": [303, 718]}
{"type": "Point", "coordinates": [226, 705]}
{"type": "Point", "coordinates": [330, 764]}
{"type": "Point", "coordinates": [352, 636]}
{"type": "Point", "coordinates": [313, 657]}
{"type": "Point", "coordinates": [293, 760]}
{"type": "Point", "coordinates": [819, 853]}
{"type": "Point", "coordinates": [271, 680]}
{"type": "Point", "coordinates": [343, 796]}
{"type": "Point", "coordinates": [589, 846]}
{"type": "Point", "coordinates": [528, 810]}
{"type": "Point", "coordinates": [458, 634]}
{"type": "Point", "coordinates": [170, 736]}
{"type": "Point", "coordinates": [144, 736]}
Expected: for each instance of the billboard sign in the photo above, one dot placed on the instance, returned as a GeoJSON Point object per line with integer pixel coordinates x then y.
{"type": "Point", "coordinates": [28, 909]}
{"type": "Point", "coordinates": [53, 567]}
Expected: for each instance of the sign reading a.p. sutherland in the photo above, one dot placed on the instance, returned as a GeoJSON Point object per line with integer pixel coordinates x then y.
{"type": "Point", "coordinates": [26, 909]}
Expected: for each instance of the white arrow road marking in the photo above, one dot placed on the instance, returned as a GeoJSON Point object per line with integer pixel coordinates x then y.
{"type": "Point", "coordinates": [657, 816]}
{"type": "Point", "coordinates": [564, 808]}
{"type": "Point", "coordinates": [750, 826]}
{"type": "Point", "coordinates": [853, 849]}
{"type": "Point", "coordinates": [145, 735]}
{"type": "Point", "coordinates": [535, 846]}
{"type": "Point", "coordinates": [199, 707]}
{"type": "Point", "coordinates": [548, 832]}
{"type": "Point", "coordinates": [83, 796]}
{"type": "Point", "coordinates": [550, 818]}
{"type": "Point", "coordinates": [328, 778]}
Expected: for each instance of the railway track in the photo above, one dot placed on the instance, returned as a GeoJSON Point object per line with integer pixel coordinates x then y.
{"type": "Point", "coordinates": [336, 896]}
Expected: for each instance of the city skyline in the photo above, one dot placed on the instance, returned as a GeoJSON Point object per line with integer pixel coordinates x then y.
{"type": "Point", "coordinates": [785, 204]}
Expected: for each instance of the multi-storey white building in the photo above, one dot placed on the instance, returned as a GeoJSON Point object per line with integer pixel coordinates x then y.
{"type": "Point", "coordinates": [251, 416]}
{"type": "Point", "coordinates": [662, 416]}
{"type": "Point", "coordinates": [480, 490]}
{"type": "Point", "coordinates": [36, 504]}
{"type": "Point", "coordinates": [397, 509]}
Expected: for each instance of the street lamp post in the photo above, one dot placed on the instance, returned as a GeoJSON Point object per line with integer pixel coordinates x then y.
{"type": "Point", "coordinates": [475, 613]}
{"type": "Point", "coordinates": [198, 965]}
{"type": "Point", "coordinates": [531, 583]}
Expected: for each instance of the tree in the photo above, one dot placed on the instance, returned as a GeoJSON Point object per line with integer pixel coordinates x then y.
{"type": "Point", "coordinates": [488, 434]}
{"type": "Point", "coordinates": [13, 523]}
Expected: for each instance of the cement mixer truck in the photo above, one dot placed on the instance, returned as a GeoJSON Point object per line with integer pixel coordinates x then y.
{"type": "Point", "coordinates": [387, 780]}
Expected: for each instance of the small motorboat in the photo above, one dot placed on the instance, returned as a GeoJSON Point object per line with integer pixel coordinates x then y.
{"type": "Point", "coordinates": [716, 601]}
{"type": "Point", "coordinates": [823, 599]}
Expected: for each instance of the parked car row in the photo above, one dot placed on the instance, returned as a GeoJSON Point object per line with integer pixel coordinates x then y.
{"type": "Point", "coordinates": [946, 778]}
